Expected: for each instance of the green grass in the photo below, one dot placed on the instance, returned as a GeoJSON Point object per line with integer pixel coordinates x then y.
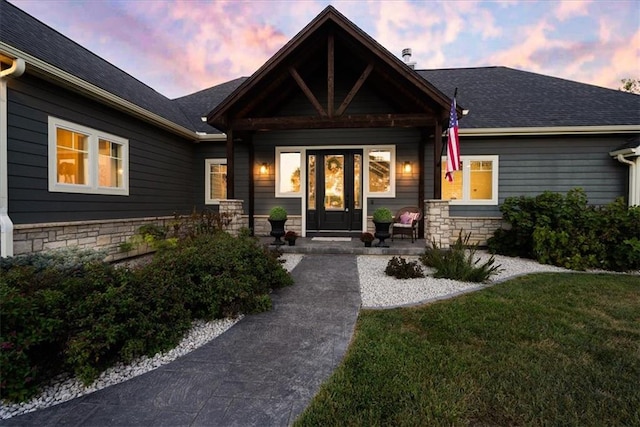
{"type": "Point", "coordinates": [546, 349]}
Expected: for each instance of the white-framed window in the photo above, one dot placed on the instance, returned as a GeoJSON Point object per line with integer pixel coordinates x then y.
{"type": "Point", "coordinates": [85, 160]}
{"type": "Point", "coordinates": [475, 184]}
{"type": "Point", "coordinates": [380, 171]}
{"type": "Point", "coordinates": [215, 181]}
{"type": "Point", "coordinates": [288, 167]}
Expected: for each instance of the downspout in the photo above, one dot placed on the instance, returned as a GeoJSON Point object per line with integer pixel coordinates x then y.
{"type": "Point", "coordinates": [634, 196]}
{"type": "Point", "coordinates": [6, 225]}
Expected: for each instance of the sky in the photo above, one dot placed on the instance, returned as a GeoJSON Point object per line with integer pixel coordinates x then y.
{"type": "Point", "coordinates": [180, 47]}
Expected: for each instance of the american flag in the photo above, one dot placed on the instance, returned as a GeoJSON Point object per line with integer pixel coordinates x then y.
{"type": "Point", "coordinates": [453, 144]}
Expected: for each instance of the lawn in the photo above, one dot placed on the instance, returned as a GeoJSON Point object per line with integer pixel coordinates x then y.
{"type": "Point", "coordinates": [545, 349]}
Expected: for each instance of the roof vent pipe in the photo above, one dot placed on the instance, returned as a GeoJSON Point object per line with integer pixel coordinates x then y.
{"type": "Point", "coordinates": [406, 56]}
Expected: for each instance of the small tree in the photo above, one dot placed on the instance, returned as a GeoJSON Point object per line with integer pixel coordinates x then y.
{"type": "Point", "coordinates": [630, 85]}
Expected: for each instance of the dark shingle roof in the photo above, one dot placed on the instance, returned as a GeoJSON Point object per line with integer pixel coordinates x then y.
{"type": "Point", "coordinates": [31, 36]}
{"type": "Point", "coordinates": [201, 103]}
{"type": "Point", "coordinates": [497, 97]}
{"type": "Point", "coordinates": [501, 97]}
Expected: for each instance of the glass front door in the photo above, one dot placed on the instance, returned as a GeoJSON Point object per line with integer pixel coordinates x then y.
{"type": "Point", "coordinates": [334, 190]}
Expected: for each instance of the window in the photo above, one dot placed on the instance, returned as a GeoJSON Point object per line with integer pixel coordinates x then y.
{"type": "Point", "coordinates": [475, 184]}
{"type": "Point", "coordinates": [288, 163]}
{"type": "Point", "coordinates": [215, 185]}
{"type": "Point", "coordinates": [380, 176]}
{"type": "Point", "coordinates": [85, 160]}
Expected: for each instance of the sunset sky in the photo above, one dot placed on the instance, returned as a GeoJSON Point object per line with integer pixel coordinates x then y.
{"type": "Point", "coordinates": [179, 47]}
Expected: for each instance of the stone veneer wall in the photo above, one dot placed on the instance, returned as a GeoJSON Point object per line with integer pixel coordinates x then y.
{"type": "Point", "coordinates": [437, 222]}
{"type": "Point", "coordinates": [261, 226]}
{"type": "Point", "coordinates": [481, 228]}
{"type": "Point", "coordinates": [233, 208]}
{"type": "Point", "coordinates": [101, 234]}
{"type": "Point", "coordinates": [104, 234]}
{"type": "Point", "coordinates": [444, 229]}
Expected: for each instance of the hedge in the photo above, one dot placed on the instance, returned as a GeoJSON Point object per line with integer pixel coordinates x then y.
{"type": "Point", "coordinates": [80, 315]}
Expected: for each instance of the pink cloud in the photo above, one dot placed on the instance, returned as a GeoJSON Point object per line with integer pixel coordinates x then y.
{"type": "Point", "coordinates": [571, 8]}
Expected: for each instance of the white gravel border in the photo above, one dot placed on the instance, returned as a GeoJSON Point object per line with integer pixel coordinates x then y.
{"type": "Point", "coordinates": [377, 290]}
{"type": "Point", "coordinates": [65, 388]}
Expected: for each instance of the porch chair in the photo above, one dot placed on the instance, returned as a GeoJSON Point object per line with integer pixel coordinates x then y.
{"type": "Point", "coordinates": [406, 222]}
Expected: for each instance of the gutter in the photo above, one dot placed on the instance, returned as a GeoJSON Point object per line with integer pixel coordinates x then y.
{"type": "Point", "coordinates": [634, 177]}
{"type": "Point", "coordinates": [551, 130]}
{"type": "Point", "coordinates": [6, 225]}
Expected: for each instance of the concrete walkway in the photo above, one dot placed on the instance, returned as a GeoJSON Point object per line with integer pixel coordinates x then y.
{"type": "Point", "coordinates": [262, 372]}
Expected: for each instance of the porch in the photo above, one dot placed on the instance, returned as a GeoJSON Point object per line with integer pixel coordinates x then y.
{"type": "Point", "coordinates": [350, 246]}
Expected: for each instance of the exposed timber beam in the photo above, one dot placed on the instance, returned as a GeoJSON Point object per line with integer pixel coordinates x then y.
{"type": "Point", "coordinates": [330, 74]}
{"type": "Point", "coordinates": [348, 121]}
{"type": "Point", "coordinates": [354, 90]}
{"type": "Point", "coordinates": [310, 96]}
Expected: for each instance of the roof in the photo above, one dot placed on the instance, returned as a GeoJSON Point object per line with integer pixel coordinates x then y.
{"type": "Point", "coordinates": [502, 97]}
{"type": "Point", "coordinates": [496, 97]}
{"type": "Point", "coordinates": [199, 104]}
{"type": "Point", "coordinates": [333, 38]}
{"type": "Point", "coordinates": [26, 33]}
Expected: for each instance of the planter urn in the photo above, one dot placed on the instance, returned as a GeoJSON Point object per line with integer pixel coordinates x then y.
{"type": "Point", "coordinates": [277, 230]}
{"type": "Point", "coordinates": [382, 233]}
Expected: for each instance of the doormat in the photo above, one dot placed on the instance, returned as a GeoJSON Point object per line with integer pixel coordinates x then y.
{"type": "Point", "coordinates": [331, 239]}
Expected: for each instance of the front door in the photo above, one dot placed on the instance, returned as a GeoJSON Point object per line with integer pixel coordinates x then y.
{"type": "Point", "coordinates": [334, 191]}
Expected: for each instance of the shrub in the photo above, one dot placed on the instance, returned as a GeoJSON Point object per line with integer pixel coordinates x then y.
{"type": "Point", "coordinates": [399, 268]}
{"type": "Point", "coordinates": [366, 237]}
{"type": "Point", "coordinates": [459, 261]}
{"type": "Point", "coordinates": [62, 316]}
{"type": "Point", "coordinates": [34, 317]}
{"type": "Point", "coordinates": [278, 213]}
{"type": "Point", "coordinates": [566, 231]}
{"type": "Point", "coordinates": [290, 236]}
{"type": "Point", "coordinates": [382, 215]}
{"type": "Point", "coordinates": [197, 223]}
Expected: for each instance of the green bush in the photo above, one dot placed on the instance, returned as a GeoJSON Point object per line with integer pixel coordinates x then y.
{"type": "Point", "coordinates": [459, 262]}
{"type": "Point", "coordinates": [34, 316]}
{"type": "Point", "coordinates": [566, 231]}
{"type": "Point", "coordinates": [61, 316]}
{"type": "Point", "coordinates": [399, 268]}
{"type": "Point", "coordinates": [382, 215]}
{"type": "Point", "coordinates": [278, 213]}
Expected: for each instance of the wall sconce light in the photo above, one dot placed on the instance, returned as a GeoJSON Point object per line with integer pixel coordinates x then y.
{"type": "Point", "coordinates": [406, 167]}
{"type": "Point", "coordinates": [264, 168]}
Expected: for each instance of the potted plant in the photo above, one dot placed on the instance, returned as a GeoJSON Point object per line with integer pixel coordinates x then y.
{"type": "Point", "coordinates": [367, 238]}
{"type": "Point", "coordinates": [277, 218]}
{"type": "Point", "coordinates": [291, 236]}
{"type": "Point", "coordinates": [382, 219]}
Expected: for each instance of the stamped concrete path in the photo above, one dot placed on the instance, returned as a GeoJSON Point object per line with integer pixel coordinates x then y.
{"type": "Point", "coordinates": [261, 372]}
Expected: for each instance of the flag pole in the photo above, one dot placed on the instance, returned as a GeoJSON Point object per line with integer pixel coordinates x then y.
{"type": "Point", "coordinates": [444, 146]}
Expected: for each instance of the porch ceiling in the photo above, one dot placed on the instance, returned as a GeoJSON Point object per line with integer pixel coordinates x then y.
{"type": "Point", "coordinates": [330, 52]}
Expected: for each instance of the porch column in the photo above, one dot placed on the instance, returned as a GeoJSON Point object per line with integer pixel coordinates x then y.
{"type": "Point", "coordinates": [438, 223]}
{"type": "Point", "coordinates": [232, 211]}
{"type": "Point", "coordinates": [230, 166]}
{"type": "Point", "coordinates": [437, 162]}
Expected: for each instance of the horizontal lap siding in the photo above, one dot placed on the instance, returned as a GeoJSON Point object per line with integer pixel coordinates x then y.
{"type": "Point", "coordinates": [530, 166]}
{"type": "Point", "coordinates": [160, 176]}
{"type": "Point", "coordinates": [365, 102]}
{"type": "Point", "coordinates": [405, 141]}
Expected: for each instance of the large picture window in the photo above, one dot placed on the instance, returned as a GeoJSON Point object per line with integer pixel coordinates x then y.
{"type": "Point", "coordinates": [85, 160]}
{"type": "Point", "coordinates": [475, 184]}
{"type": "Point", "coordinates": [215, 186]}
{"type": "Point", "coordinates": [288, 164]}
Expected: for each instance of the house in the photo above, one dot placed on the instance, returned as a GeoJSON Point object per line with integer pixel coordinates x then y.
{"type": "Point", "coordinates": [331, 127]}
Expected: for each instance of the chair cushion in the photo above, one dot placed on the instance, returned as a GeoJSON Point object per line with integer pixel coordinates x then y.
{"type": "Point", "coordinates": [401, 225]}
{"type": "Point", "coordinates": [406, 218]}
